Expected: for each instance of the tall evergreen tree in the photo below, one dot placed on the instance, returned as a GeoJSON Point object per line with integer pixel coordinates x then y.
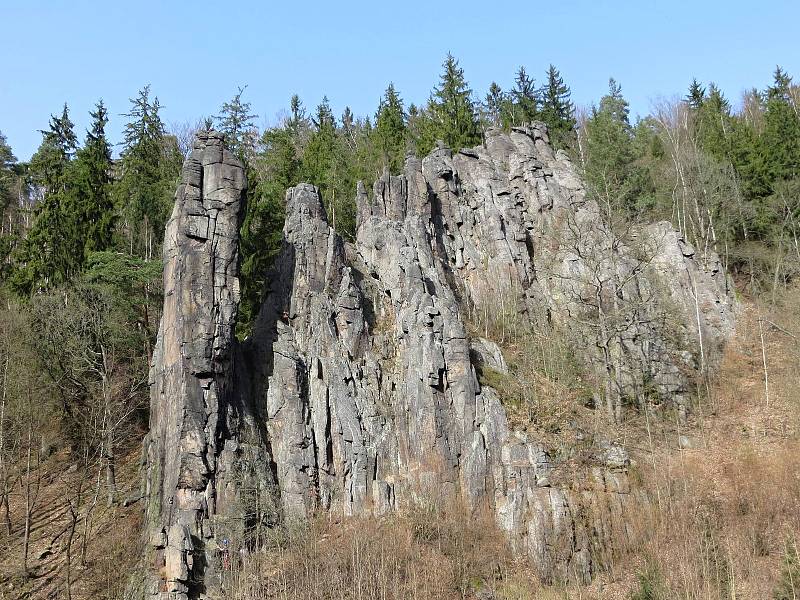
{"type": "Point", "coordinates": [236, 122]}
{"type": "Point", "coordinates": [277, 168]}
{"type": "Point", "coordinates": [451, 114]}
{"type": "Point", "coordinates": [59, 144]}
{"type": "Point", "coordinates": [48, 255]}
{"type": "Point", "coordinates": [525, 97]}
{"type": "Point", "coordinates": [781, 136]}
{"type": "Point", "coordinates": [493, 103]}
{"type": "Point", "coordinates": [498, 107]}
{"type": "Point", "coordinates": [610, 171]}
{"type": "Point", "coordinates": [557, 110]}
{"type": "Point", "coordinates": [7, 162]}
{"type": "Point", "coordinates": [9, 179]}
{"type": "Point", "coordinates": [713, 123]}
{"type": "Point", "coordinates": [147, 176]}
{"type": "Point", "coordinates": [696, 95]}
{"type": "Point", "coordinates": [93, 174]}
{"type": "Point", "coordinates": [390, 130]}
{"type": "Point", "coordinates": [319, 152]}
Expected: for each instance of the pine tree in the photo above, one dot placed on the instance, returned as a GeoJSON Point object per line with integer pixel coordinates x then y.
{"type": "Point", "coordinates": [49, 254]}
{"type": "Point", "coordinates": [557, 110]}
{"type": "Point", "coordinates": [236, 122]}
{"type": "Point", "coordinates": [498, 107]}
{"type": "Point", "coordinates": [451, 115]}
{"type": "Point", "coordinates": [144, 188]}
{"type": "Point", "coordinates": [610, 171]}
{"type": "Point", "coordinates": [390, 131]}
{"type": "Point", "coordinates": [93, 173]}
{"type": "Point", "coordinates": [696, 94]}
{"type": "Point", "coordinates": [525, 98]}
{"type": "Point", "coordinates": [781, 136]}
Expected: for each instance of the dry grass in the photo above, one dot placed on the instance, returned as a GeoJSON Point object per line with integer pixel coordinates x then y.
{"type": "Point", "coordinates": [725, 512]}
{"type": "Point", "coordinates": [114, 538]}
{"type": "Point", "coordinates": [426, 553]}
{"type": "Point", "coordinates": [721, 520]}
{"type": "Point", "coordinates": [545, 387]}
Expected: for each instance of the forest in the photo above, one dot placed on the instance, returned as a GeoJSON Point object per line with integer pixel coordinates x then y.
{"type": "Point", "coordinates": [83, 227]}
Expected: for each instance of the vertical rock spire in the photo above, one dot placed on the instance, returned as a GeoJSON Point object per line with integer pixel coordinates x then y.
{"type": "Point", "coordinates": [191, 375]}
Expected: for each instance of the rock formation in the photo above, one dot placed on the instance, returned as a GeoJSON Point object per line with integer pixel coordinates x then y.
{"type": "Point", "coordinates": [357, 391]}
{"type": "Point", "coordinates": [198, 425]}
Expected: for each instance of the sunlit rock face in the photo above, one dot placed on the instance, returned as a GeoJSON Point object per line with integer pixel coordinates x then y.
{"type": "Point", "coordinates": [357, 390]}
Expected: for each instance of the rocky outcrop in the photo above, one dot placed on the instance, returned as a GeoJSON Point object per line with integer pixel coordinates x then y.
{"type": "Point", "coordinates": [357, 390]}
{"type": "Point", "coordinates": [198, 424]}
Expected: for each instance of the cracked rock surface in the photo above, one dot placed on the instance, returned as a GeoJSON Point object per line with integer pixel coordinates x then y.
{"type": "Point", "coordinates": [357, 390]}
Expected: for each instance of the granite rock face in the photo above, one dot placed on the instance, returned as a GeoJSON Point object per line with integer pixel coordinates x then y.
{"type": "Point", "coordinates": [198, 425]}
{"type": "Point", "coordinates": [357, 390]}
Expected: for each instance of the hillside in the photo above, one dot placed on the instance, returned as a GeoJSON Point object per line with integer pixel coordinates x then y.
{"type": "Point", "coordinates": [490, 350]}
{"type": "Point", "coordinates": [716, 518]}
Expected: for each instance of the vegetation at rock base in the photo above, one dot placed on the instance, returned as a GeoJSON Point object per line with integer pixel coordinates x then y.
{"type": "Point", "coordinates": [80, 245]}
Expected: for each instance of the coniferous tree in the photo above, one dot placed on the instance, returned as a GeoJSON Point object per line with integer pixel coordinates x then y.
{"type": "Point", "coordinates": [49, 253]}
{"type": "Point", "coordinates": [781, 136]}
{"type": "Point", "coordinates": [277, 168]}
{"type": "Point", "coordinates": [319, 152]}
{"type": "Point", "coordinates": [696, 94]}
{"type": "Point", "coordinates": [9, 179]}
{"type": "Point", "coordinates": [236, 122]}
{"type": "Point", "coordinates": [451, 115]}
{"type": "Point", "coordinates": [93, 178]}
{"type": "Point", "coordinates": [610, 171]}
{"type": "Point", "coordinates": [493, 103]}
{"type": "Point", "coordinates": [7, 162]}
{"type": "Point", "coordinates": [147, 176]}
{"type": "Point", "coordinates": [557, 110]}
{"type": "Point", "coordinates": [525, 97]}
{"type": "Point", "coordinates": [390, 131]}
{"type": "Point", "coordinates": [713, 123]}
{"type": "Point", "coordinates": [50, 162]}
{"type": "Point", "coordinates": [498, 107]}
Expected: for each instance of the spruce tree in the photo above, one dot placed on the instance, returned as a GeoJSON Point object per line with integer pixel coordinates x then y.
{"type": "Point", "coordinates": [50, 253]}
{"type": "Point", "coordinates": [451, 114]}
{"type": "Point", "coordinates": [696, 95]}
{"type": "Point", "coordinates": [781, 136]}
{"type": "Point", "coordinates": [390, 131]}
{"type": "Point", "coordinates": [525, 98]}
{"type": "Point", "coordinates": [236, 122]}
{"type": "Point", "coordinates": [713, 123]}
{"type": "Point", "coordinates": [557, 110]}
{"type": "Point", "coordinates": [8, 180]}
{"type": "Point", "coordinates": [277, 168]}
{"type": "Point", "coordinates": [7, 162]}
{"type": "Point", "coordinates": [610, 172]}
{"type": "Point", "coordinates": [498, 107]}
{"type": "Point", "coordinates": [318, 154]}
{"type": "Point", "coordinates": [144, 189]}
{"type": "Point", "coordinates": [93, 173]}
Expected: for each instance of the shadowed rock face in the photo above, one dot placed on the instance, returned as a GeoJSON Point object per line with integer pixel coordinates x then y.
{"type": "Point", "coordinates": [357, 390]}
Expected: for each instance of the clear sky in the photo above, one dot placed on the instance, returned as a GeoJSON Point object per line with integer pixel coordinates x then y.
{"type": "Point", "coordinates": [196, 53]}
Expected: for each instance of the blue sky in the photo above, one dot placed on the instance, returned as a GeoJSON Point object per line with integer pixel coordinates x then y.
{"type": "Point", "coordinates": [195, 54]}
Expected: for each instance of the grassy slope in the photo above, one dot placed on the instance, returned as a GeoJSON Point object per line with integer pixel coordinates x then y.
{"type": "Point", "coordinates": [723, 505]}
